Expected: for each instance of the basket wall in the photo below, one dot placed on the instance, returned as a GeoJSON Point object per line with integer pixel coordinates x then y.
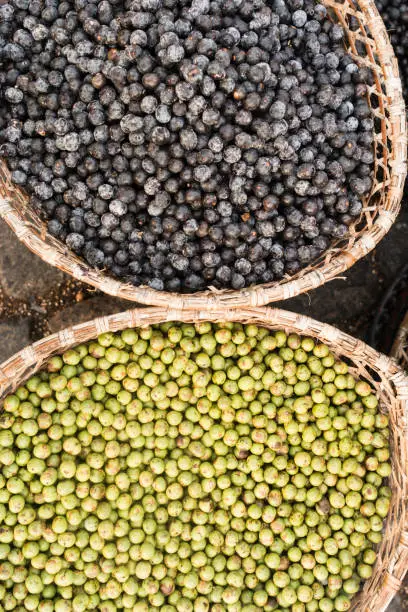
{"type": "Point", "coordinates": [389, 381]}
{"type": "Point", "coordinates": [369, 44]}
{"type": "Point", "coordinates": [400, 347]}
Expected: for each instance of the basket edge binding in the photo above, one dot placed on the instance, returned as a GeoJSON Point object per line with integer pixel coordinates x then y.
{"type": "Point", "coordinates": [395, 388]}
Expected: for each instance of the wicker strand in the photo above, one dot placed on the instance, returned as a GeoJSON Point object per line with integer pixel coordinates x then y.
{"type": "Point", "coordinates": [370, 46]}
{"type": "Point", "coordinates": [400, 347]}
{"type": "Point", "coordinates": [381, 372]}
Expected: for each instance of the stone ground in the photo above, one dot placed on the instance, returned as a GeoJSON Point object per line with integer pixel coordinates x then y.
{"type": "Point", "coordinates": [36, 299]}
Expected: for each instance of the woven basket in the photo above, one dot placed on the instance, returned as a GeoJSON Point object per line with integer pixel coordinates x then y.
{"type": "Point", "coordinates": [369, 44]}
{"type": "Point", "coordinates": [389, 381]}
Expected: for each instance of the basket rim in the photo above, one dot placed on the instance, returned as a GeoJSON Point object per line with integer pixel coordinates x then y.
{"type": "Point", "coordinates": [142, 316]}
{"type": "Point", "coordinates": [332, 264]}
{"type": "Point", "coordinates": [19, 367]}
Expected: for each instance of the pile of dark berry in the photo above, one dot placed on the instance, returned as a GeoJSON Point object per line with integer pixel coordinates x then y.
{"type": "Point", "coordinates": [186, 143]}
{"type": "Point", "coordinates": [395, 16]}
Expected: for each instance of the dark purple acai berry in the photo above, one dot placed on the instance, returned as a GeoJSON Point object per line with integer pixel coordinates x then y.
{"type": "Point", "coordinates": [395, 16]}
{"type": "Point", "coordinates": [182, 144]}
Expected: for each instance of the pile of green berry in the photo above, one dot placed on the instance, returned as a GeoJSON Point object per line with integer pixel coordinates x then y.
{"type": "Point", "coordinates": [189, 468]}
